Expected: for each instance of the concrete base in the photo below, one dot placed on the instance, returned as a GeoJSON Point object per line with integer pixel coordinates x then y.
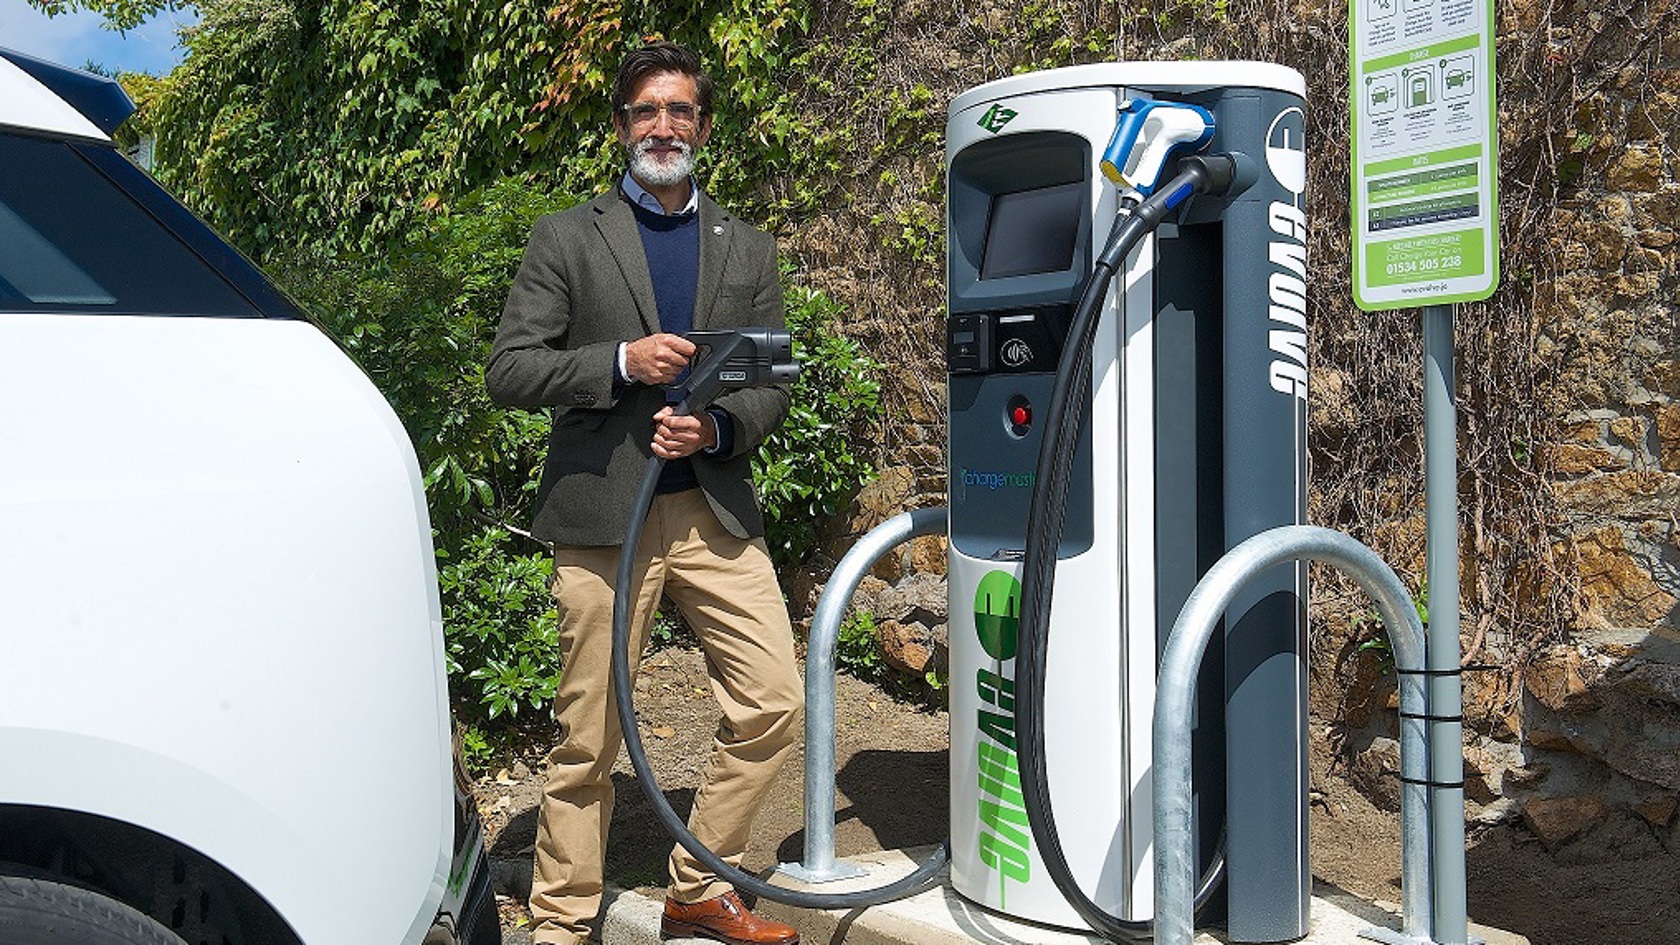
{"type": "Point", "coordinates": [941, 917]}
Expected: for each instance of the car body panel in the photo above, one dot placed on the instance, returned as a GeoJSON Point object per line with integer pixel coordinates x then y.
{"type": "Point", "coordinates": [218, 559]}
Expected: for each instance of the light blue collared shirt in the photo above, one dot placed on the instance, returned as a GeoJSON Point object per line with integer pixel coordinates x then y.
{"type": "Point", "coordinates": [640, 197]}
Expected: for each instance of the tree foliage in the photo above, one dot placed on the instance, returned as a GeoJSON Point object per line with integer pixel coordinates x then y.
{"type": "Point", "coordinates": [386, 160]}
{"type": "Point", "coordinates": [340, 123]}
{"type": "Point", "coordinates": [118, 14]}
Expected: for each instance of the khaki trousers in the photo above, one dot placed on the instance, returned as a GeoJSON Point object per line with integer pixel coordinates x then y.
{"type": "Point", "coordinates": [727, 591]}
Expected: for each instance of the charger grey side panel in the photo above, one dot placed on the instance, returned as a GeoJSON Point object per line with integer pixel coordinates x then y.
{"type": "Point", "coordinates": [1265, 475]}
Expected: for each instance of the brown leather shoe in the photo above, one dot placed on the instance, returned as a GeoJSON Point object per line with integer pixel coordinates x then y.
{"type": "Point", "coordinates": [724, 919]}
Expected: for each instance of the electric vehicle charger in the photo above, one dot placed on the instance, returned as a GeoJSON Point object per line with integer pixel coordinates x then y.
{"type": "Point", "coordinates": [1212, 174]}
{"type": "Point", "coordinates": [743, 358]}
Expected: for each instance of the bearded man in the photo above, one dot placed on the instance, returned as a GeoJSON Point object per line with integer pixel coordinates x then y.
{"type": "Point", "coordinates": [593, 330]}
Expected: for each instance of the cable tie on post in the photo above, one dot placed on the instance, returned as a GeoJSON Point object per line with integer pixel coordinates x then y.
{"type": "Point", "coordinates": [1432, 673]}
{"type": "Point", "coordinates": [1425, 782]}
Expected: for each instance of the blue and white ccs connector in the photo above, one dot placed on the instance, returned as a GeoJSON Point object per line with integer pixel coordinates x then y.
{"type": "Point", "coordinates": [1148, 135]}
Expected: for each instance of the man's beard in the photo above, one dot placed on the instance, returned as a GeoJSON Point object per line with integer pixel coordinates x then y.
{"type": "Point", "coordinates": [661, 173]}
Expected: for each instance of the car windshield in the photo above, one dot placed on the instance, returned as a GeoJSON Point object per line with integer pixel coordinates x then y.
{"type": "Point", "coordinates": [72, 241]}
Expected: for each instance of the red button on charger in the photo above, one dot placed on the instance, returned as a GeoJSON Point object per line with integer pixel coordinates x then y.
{"type": "Point", "coordinates": [1021, 415]}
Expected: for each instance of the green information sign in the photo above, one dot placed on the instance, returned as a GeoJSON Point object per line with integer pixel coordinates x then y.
{"type": "Point", "coordinates": [1424, 168]}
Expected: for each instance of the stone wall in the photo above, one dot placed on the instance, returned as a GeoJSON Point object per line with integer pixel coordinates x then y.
{"type": "Point", "coordinates": [1598, 714]}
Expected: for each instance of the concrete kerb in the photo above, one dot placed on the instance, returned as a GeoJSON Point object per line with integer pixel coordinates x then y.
{"type": "Point", "coordinates": [630, 918]}
{"type": "Point", "coordinates": [941, 917]}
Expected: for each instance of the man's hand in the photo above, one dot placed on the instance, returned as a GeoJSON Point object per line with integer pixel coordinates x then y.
{"type": "Point", "coordinates": [657, 359]}
{"type": "Point", "coordinates": [675, 437]}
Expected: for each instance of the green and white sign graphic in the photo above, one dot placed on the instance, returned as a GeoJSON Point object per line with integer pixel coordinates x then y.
{"type": "Point", "coordinates": [1424, 166]}
{"type": "Point", "coordinates": [997, 614]}
{"type": "Point", "coordinates": [1005, 837]}
{"type": "Point", "coordinates": [996, 117]}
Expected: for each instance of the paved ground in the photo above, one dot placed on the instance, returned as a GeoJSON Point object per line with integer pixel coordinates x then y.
{"type": "Point", "coordinates": [941, 917]}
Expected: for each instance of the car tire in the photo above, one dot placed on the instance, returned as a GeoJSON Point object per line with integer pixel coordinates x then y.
{"type": "Point", "coordinates": [42, 912]}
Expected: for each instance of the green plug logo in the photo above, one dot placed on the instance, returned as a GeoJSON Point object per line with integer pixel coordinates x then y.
{"type": "Point", "coordinates": [997, 614]}
{"type": "Point", "coordinates": [996, 117]}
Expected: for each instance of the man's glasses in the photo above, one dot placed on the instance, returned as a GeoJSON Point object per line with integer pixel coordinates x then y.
{"type": "Point", "coordinates": [683, 114]}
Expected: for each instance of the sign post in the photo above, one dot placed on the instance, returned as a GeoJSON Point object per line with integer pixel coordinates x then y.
{"type": "Point", "coordinates": [1424, 205]}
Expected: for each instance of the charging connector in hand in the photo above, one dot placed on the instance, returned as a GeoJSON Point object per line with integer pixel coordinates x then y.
{"type": "Point", "coordinates": [732, 359]}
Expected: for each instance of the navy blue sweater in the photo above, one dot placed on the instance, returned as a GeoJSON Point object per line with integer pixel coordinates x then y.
{"type": "Point", "coordinates": [672, 245]}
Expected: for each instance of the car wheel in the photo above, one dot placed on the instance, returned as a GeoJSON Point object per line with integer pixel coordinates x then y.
{"type": "Point", "coordinates": [43, 912]}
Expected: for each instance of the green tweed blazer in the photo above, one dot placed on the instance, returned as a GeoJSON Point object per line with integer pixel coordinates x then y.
{"type": "Point", "coordinates": [582, 288]}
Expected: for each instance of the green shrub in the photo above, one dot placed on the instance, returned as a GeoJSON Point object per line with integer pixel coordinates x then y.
{"type": "Point", "coordinates": [476, 749]}
{"type": "Point", "coordinates": [669, 629]}
{"type": "Point", "coordinates": [858, 649]}
{"type": "Point", "coordinates": [500, 628]}
{"type": "Point", "coordinates": [814, 464]}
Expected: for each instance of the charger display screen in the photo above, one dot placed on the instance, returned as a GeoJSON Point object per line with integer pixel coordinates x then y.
{"type": "Point", "coordinates": [1032, 231]}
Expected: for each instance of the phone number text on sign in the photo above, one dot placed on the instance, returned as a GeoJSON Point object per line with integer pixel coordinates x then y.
{"type": "Point", "coordinates": [1424, 257]}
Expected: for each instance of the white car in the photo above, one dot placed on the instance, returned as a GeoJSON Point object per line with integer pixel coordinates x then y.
{"type": "Point", "coordinates": [223, 713]}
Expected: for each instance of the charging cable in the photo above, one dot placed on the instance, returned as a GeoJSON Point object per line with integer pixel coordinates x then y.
{"type": "Point", "coordinates": [1210, 174]}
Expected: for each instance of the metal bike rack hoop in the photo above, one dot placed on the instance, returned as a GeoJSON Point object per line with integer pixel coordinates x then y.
{"type": "Point", "coordinates": [1175, 859]}
{"type": "Point", "coordinates": [819, 865]}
